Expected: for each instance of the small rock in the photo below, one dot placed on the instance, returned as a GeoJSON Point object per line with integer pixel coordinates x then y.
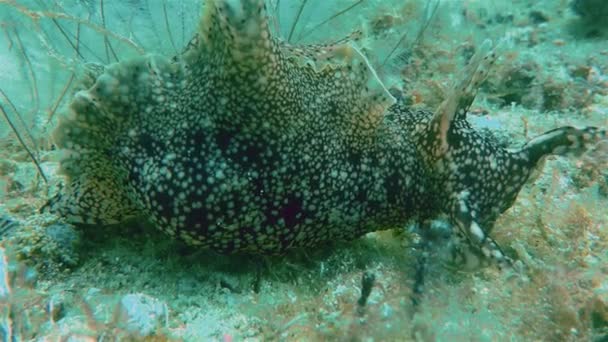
{"type": "Point", "coordinates": [142, 314]}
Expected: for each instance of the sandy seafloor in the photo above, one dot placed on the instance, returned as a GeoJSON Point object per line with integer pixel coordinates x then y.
{"type": "Point", "coordinates": [128, 282]}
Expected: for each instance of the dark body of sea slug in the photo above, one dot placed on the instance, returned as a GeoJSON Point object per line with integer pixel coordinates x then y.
{"type": "Point", "coordinates": [245, 143]}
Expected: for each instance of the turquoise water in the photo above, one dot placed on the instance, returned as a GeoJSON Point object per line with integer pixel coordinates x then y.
{"type": "Point", "coordinates": [121, 279]}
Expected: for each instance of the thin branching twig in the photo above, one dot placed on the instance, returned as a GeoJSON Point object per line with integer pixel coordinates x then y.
{"type": "Point", "coordinates": [305, 34]}
{"type": "Point", "coordinates": [295, 22]}
{"type": "Point", "coordinates": [29, 152]}
{"type": "Point", "coordinates": [420, 32]}
{"type": "Point", "coordinates": [12, 106]}
{"type": "Point", "coordinates": [66, 37]}
{"type": "Point", "coordinates": [105, 38]}
{"type": "Point", "coordinates": [277, 17]}
{"type": "Point", "coordinates": [108, 45]}
{"type": "Point", "coordinates": [78, 39]}
{"type": "Point", "coordinates": [403, 36]}
{"type": "Point", "coordinates": [54, 107]}
{"type": "Point", "coordinates": [61, 29]}
{"type": "Point", "coordinates": [428, 22]}
{"type": "Point", "coordinates": [32, 76]}
{"type": "Point", "coordinates": [8, 37]}
{"type": "Point", "coordinates": [144, 8]}
{"type": "Point", "coordinates": [35, 16]}
{"type": "Point", "coordinates": [73, 44]}
{"type": "Point", "coordinates": [182, 16]}
{"type": "Point", "coordinates": [168, 27]}
{"type": "Point", "coordinates": [77, 36]}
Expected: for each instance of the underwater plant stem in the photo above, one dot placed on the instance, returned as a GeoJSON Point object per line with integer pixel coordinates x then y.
{"type": "Point", "coordinates": [427, 22]}
{"type": "Point", "coordinates": [293, 322]}
{"type": "Point", "coordinates": [8, 101]}
{"type": "Point", "coordinates": [75, 47]}
{"type": "Point", "coordinates": [53, 109]}
{"type": "Point", "coordinates": [32, 76]}
{"type": "Point", "coordinates": [277, 17]}
{"type": "Point", "coordinates": [168, 27]}
{"type": "Point", "coordinates": [36, 15]}
{"type": "Point", "coordinates": [307, 33]}
{"type": "Point", "coordinates": [295, 22]}
{"type": "Point", "coordinates": [108, 45]}
{"type": "Point", "coordinates": [8, 37]}
{"type": "Point", "coordinates": [103, 24]}
{"type": "Point", "coordinates": [403, 36]}
{"type": "Point", "coordinates": [182, 14]}
{"type": "Point", "coordinates": [75, 36]}
{"type": "Point", "coordinates": [29, 152]}
{"type": "Point", "coordinates": [418, 36]}
{"type": "Point", "coordinates": [78, 39]}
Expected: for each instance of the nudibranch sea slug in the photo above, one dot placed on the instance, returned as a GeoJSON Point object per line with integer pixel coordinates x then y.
{"type": "Point", "coordinates": [246, 143]}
